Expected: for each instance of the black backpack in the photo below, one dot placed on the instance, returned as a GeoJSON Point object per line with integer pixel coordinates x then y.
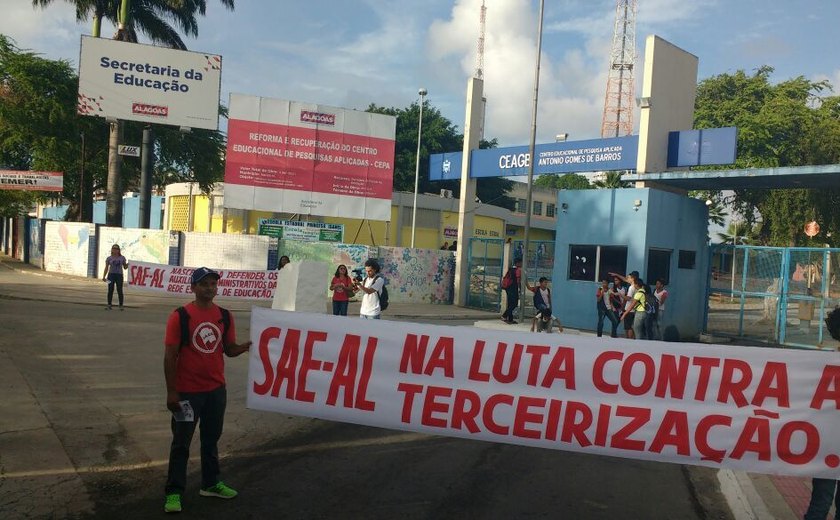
{"type": "Point", "coordinates": [651, 304]}
{"type": "Point", "coordinates": [185, 324]}
{"type": "Point", "coordinates": [383, 296]}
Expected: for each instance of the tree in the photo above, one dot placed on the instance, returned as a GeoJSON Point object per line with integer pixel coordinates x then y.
{"type": "Point", "coordinates": [786, 124]}
{"type": "Point", "coordinates": [157, 20]}
{"type": "Point", "coordinates": [738, 232]}
{"type": "Point", "coordinates": [612, 181]}
{"type": "Point", "coordinates": [39, 128]}
{"type": "Point", "coordinates": [569, 181]}
{"type": "Point", "coordinates": [439, 135]}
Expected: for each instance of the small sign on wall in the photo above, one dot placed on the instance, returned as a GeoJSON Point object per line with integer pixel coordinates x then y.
{"type": "Point", "coordinates": [129, 150]}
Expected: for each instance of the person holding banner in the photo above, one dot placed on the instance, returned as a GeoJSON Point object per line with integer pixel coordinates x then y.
{"type": "Point", "coordinates": [198, 336]}
{"type": "Point", "coordinates": [283, 261]}
{"type": "Point", "coordinates": [372, 288]}
{"type": "Point", "coordinates": [826, 490]}
{"type": "Point", "coordinates": [113, 274]}
{"type": "Point", "coordinates": [342, 288]}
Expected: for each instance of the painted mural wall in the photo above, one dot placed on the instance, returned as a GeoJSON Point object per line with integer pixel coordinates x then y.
{"type": "Point", "coordinates": [418, 275]}
{"type": "Point", "coordinates": [36, 258]}
{"type": "Point", "coordinates": [139, 245]}
{"type": "Point", "coordinates": [66, 247]}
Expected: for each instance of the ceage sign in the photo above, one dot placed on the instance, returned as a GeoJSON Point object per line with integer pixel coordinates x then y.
{"type": "Point", "coordinates": [291, 157]}
{"type": "Point", "coordinates": [617, 153]}
{"type": "Point", "coordinates": [149, 84]}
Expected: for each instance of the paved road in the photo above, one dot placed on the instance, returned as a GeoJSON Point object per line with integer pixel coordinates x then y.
{"type": "Point", "coordinates": [84, 434]}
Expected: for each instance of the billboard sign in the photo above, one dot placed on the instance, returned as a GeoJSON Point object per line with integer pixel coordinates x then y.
{"type": "Point", "coordinates": [149, 84]}
{"type": "Point", "coordinates": [28, 180]}
{"type": "Point", "coordinates": [301, 231]}
{"type": "Point", "coordinates": [702, 147]}
{"type": "Point", "coordinates": [310, 159]}
{"type": "Point", "coordinates": [615, 153]}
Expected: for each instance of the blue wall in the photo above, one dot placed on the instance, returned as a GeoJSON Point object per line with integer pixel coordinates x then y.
{"type": "Point", "coordinates": [131, 212]}
{"type": "Point", "coordinates": [609, 218]}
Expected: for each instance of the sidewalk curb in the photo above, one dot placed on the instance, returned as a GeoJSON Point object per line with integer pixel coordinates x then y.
{"type": "Point", "coordinates": [742, 496]}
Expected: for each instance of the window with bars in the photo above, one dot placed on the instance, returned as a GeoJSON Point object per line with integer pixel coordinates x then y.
{"type": "Point", "coordinates": [550, 209]}
{"type": "Point", "coordinates": [537, 208]}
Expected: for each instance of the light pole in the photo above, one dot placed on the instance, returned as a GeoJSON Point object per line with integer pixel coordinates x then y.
{"type": "Point", "coordinates": [531, 147]}
{"type": "Point", "coordinates": [422, 93]}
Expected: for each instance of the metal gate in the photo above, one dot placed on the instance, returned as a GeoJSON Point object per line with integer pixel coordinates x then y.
{"type": "Point", "coordinates": [486, 259]}
{"type": "Point", "coordinates": [772, 294]}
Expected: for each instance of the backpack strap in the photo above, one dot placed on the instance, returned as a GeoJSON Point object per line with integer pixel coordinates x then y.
{"type": "Point", "coordinates": [374, 281]}
{"type": "Point", "coordinates": [184, 318]}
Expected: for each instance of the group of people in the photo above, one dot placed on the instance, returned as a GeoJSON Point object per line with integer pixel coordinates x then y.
{"type": "Point", "coordinates": [633, 303]}
{"type": "Point", "coordinates": [544, 320]}
{"type": "Point", "coordinates": [200, 334]}
{"type": "Point", "coordinates": [372, 287]}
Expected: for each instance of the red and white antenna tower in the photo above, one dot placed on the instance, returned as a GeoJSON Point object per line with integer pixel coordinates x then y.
{"type": "Point", "coordinates": [621, 89]}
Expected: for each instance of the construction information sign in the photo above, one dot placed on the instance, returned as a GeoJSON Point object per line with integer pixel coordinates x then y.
{"type": "Point", "coordinates": [309, 159]}
{"type": "Point", "coordinates": [301, 231]}
{"type": "Point", "coordinates": [744, 408]}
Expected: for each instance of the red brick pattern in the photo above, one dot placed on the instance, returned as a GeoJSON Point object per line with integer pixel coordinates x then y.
{"type": "Point", "coordinates": [795, 491]}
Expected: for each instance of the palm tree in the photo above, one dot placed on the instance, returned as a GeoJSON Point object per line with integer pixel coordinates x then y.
{"type": "Point", "coordinates": [717, 212]}
{"type": "Point", "coordinates": [159, 20]}
{"type": "Point", "coordinates": [738, 232]}
{"type": "Point", "coordinates": [612, 181]}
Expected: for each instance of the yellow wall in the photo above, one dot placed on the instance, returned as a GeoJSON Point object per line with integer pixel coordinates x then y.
{"type": "Point", "coordinates": [360, 230]}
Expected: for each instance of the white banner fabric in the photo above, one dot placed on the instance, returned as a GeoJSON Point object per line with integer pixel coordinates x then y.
{"type": "Point", "coordinates": [745, 408]}
{"type": "Point", "coordinates": [173, 279]}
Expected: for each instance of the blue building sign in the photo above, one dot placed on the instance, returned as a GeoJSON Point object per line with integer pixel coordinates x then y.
{"type": "Point", "coordinates": [617, 153]}
{"type": "Point", "coordinates": [702, 147]}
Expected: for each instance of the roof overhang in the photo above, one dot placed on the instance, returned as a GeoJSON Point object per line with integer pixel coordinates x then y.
{"type": "Point", "coordinates": [811, 177]}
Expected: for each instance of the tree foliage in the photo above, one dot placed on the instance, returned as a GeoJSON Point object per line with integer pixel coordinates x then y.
{"type": "Point", "coordinates": [568, 181]}
{"type": "Point", "coordinates": [40, 130]}
{"type": "Point", "coordinates": [440, 135]}
{"type": "Point", "coordinates": [612, 181]}
{"type": "Point", "coordinates": [779, 125]}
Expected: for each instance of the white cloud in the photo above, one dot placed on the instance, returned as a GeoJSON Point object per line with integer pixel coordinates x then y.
{"type": "Point", "coordinates": [50, 31]}
{"type": "Point", "coordinates": [572, 77]}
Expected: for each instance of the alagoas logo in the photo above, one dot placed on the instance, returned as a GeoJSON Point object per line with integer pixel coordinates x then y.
{"type": "Point", "coordinates": [206, 337]}
{"type": "Point", "coordinates": [321, 118]}
{"type": "Point", "coordinates": [149, 110]}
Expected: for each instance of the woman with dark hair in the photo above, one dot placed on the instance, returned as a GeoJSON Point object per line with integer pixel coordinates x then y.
{"type": "Point", "coordinates": [342, 288]}
{"type": "Point", "coordinates": [113, 274]}
{"type": "Point", "coordinates": [283, 261]}
{"type": "Point", "coordinates": [637, 308]}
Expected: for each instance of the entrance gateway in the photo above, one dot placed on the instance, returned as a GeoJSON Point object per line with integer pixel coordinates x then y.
{"type": "Point", "coordinates": [654, 228]}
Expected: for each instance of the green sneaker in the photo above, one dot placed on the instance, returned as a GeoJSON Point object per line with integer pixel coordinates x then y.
{"type": "Point", "coordinates": [173, 503]}
{"type": "Point", "coordinates": [220, 490]}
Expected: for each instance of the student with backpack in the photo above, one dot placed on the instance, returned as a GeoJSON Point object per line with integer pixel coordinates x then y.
{"type": "Point", "coordinates": [198, 336]}
{"type": "Point", "coordinates": [375, 297]}
{"type": "Point", "coordinates": [510, 284]}
{"type": "Point", "coordinates": [637, 308]}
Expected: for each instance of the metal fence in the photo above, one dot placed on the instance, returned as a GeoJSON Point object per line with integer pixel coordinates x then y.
{"type": "Point", "coordinates": [772, 294]}
{"type": "Point", "coordinates": [486, 259]}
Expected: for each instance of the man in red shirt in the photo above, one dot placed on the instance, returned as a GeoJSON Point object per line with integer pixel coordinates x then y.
{"type": "Point", "coordinates": [194, 367]}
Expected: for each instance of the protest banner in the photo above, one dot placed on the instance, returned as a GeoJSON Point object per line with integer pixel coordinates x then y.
{"type": "Point", "coordinates": [173, 279]}
{"type": "Point", "coordinates": [745, 408]}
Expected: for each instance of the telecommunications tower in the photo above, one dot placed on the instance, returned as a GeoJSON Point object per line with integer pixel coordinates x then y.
{"type": "Point", "coordinates": [618, 104]}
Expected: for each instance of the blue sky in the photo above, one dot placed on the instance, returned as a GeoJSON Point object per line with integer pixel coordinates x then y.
{"type": "Point", "coordinates": [351, 53]}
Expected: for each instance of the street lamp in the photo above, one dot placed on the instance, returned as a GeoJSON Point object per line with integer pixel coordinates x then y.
{"type": "Point", "coordinates": [422, 93]}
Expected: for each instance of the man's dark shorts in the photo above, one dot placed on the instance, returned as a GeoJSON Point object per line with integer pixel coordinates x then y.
{"type": "Point", "coordinates": [628, 321]}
